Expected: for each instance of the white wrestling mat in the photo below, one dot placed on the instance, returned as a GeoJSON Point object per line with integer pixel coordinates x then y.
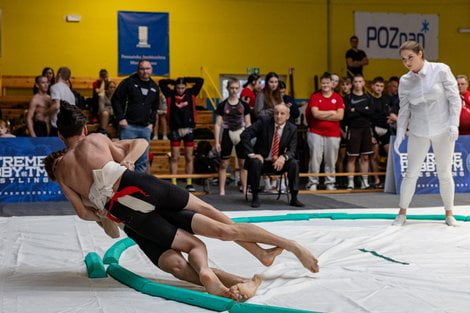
{"type": "Point", "coordinates": [42, 268]}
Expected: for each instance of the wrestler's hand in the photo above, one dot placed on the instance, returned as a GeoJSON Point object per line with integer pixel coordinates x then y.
{"type": "Point", "coordinates": [128, 164]}
{"type": "Point", "coordinates": [453, 133]}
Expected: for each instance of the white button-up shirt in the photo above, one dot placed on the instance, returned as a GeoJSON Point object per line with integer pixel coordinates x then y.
{"type": "Point", "coordinates": [429, 100]}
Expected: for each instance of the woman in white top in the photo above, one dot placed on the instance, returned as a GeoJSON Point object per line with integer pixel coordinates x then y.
{"type": "Point", "coordinates": [429, 110]}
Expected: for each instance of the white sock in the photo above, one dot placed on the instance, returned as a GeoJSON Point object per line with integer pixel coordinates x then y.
{"type": "Point", "coordinates": [365, 180]}
{"type": "Point", "coordinates": [400, 220]}
{"type": "Point", "coordinates": [451, 221]}
{"type": "Point", "coordinates": [351, 181]}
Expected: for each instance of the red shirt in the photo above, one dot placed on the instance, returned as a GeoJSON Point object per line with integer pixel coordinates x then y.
{"type": "Point", "coordinates": [464, 128]}
{"type": "Point", "coordinates": [322, 127]}
{"type": "Point", "coordinates": [247, 92]}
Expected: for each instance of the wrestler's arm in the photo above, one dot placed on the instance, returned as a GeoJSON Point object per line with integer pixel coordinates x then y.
{"type": "Point", "coordinates": [128, 151]}
{"type": "Point", "coordinates": [84, 212]}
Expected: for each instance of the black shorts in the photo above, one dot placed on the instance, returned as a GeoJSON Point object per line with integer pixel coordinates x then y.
{"type": "Point", "coordinates": [175, 139]}
{"type": "Point", "coordinates": [158, 226]}
{"type": "Point", "coordinates": [359, 141]}
{"type": "Point", "coordinates": [227, 146]}
{"type": "Point", "coordinates": [40, 128]}
{"type": "Point", "coordinates": [151, 249]}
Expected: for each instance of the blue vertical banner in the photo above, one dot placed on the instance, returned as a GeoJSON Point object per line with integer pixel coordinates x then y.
{"type": "Point", "coordinates": [23, 177]}
{"type": "Point", "coordinates": [428, 181]}
{"type": "Point", "coordinates": [143, 35]}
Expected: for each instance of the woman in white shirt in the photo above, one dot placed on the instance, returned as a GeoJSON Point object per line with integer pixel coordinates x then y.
{"type": "Point", "coordinates": [429, 110]}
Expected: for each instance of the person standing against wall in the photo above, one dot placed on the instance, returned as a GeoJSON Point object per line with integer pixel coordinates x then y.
{"type": "Point", "coordinates": [182, 120]}
{"type": "Point", "coordinates": [355, 58]}
{"type": "Point", "coordinates": [430, 107]}
{"type": "Point", "coordinates": [135, 103]}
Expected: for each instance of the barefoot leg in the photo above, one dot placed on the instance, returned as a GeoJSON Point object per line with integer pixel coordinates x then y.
{"type": "Point", "coordinates": [246, 290]}
{"type": "Point", "coordinates": [208, 227]}
{"type": "Point", "coordinates": [265, 256]}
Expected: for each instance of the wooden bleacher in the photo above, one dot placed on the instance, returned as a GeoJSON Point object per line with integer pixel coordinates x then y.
{"type": "Point", "coordinates": [20, 85]}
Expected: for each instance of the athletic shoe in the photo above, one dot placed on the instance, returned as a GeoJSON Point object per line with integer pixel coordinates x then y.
{"type": "Point", "coordinates": [400, 220]}
{"type": "Point", "coordinates": [450, 221]}
{"type": "Point", "coordinates": [313, 187]}
{"type": "Point", "coordinates": [330, 187]}
{"type": "Point", "coordinates": [350, 187]}
{"type": "Point", "coordinates": [190, 188]}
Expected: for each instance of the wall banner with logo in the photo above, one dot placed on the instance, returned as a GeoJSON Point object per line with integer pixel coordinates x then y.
{"type": "Point", "coordinates": [381, 34]}
{"type": "Point", "coordinates": [143, 35]}
{"type": "Point", "coordinates": [23, 177]}
{"type": "Point", "coordinates": [428, 181]}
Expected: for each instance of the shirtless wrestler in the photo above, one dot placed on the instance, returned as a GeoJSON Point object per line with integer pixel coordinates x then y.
{"type": "Point", "coordinates": [37, 118]}
{"type": "Point", "coordinates": [96, 186]}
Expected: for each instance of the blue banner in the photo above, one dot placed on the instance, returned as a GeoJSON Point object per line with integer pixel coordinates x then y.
{"type": "Point", "coordinates": [23, 177]}
{"type": "Point", "coordinates": [143, 35]}
{"type": "Point", "coordinates": [428, 181]}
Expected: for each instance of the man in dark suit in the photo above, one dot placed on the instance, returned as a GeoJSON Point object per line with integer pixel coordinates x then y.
{"type": "Point", "coordinates": [274, 151]}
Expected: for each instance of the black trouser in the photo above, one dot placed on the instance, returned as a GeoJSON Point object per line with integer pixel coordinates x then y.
{"type": "Point", "coordinates": [256, 168]}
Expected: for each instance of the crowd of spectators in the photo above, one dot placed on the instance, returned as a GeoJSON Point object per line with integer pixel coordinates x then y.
{"type": "Point", "coordinates": [348, 124]}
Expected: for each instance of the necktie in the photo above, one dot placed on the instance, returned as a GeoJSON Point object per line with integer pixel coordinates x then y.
{"type": "Point", "coordinates": [275, 150]}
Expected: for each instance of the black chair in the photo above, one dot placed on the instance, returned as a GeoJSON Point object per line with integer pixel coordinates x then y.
{"type": "Point", "coordinates": [283, 178]}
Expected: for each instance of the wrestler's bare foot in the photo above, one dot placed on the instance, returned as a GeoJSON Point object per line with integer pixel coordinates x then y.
{"type": "Point", "coordinates": [213, 285]}
{"type": "Point", "coordinates": [267, 256]}
{"type": "Point", "coordinates": [306, 258]}
{"type": "Point", "coordinates": [246, 290]}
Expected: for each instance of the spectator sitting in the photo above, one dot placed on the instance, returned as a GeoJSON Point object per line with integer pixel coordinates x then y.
{"type": "Point", "coordinates": [37, 119]}
{"type": "Point", "coordinates": [4, 132]}
{"type": "Point", "coordinates": [327, 109]}
{"type": "Point", "coordinates": [105, 107]}
{"type": "Point", "coordinates": [464, 126]}
{"type": "Point", "coordinates": [274, 151]}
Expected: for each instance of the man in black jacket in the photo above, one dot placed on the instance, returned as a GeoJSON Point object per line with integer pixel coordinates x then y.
{"type": "Point", "coordinates": [135, 104]}
{"type": "Point", "coordinates": [273, 152]}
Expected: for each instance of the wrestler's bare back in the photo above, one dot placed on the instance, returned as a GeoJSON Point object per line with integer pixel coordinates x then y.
{"type": "Point", "coordinates": [92, 152]}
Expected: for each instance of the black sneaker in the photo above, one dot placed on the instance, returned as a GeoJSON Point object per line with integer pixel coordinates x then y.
{"type": "Point", "coordinates": [190, 188]}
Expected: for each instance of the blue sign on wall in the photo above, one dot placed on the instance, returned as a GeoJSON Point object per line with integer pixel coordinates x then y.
{"type": "Point", "coordinates": [428, 181]}
{"type": "Point", "coordinates": [23, 177]}
{"type": "Point", "coordinates": [143, 35]}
